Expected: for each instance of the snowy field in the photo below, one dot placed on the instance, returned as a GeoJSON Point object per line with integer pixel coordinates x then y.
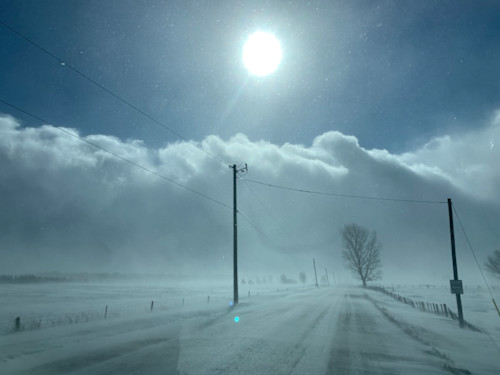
{"type": "Point", "coordinates": [274, 330]}
{"type": "Point", "coordinates": [477, 304]}
{"type": "Point", "coordinates": [53, 304]}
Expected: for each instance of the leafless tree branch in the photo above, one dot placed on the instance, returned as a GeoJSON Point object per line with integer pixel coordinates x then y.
{"type": "Point", "coordinates": [361, 252]}
{"type": "Point", "coordinates": [493, 263]}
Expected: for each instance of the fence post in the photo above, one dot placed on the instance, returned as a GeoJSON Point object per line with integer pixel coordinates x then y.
{"type": "Point", "coordinates": [18, 323]}
{"type": "Point", "coordinates": [106, 312]}
{"type": "Point", "coordinates": [152, 303]}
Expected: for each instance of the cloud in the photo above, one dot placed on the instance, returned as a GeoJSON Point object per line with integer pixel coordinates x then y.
{"type": "Point", "coordinates": [469, 160]}
{"type": "Point", "coordinates": [69, 206]}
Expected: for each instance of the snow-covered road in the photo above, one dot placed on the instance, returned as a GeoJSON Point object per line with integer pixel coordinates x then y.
{"type": "Point", "coordinates": [308, 331]}
{"type": "Point", "coordinates": [326, 331]}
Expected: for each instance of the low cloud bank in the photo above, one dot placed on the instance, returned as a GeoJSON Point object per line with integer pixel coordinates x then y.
{"type": "Point", "coordinates": [69, 206]}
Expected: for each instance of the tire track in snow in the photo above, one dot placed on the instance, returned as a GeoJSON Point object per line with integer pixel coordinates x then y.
{"type": "Point", "coordinates": [299, 345]}
{"type": "Point", "coordinates": [292, 350]}
{"type": "Point", "coordinates": [89, 359]}
{"type": "Point", "coordinates": [342, 357]}
{"type": "Point", "coordinates": [280, 338]}
{"type": "Point", "coordinates": [365, 344]}
{"type": "Point", "coordinates": [411, 331]}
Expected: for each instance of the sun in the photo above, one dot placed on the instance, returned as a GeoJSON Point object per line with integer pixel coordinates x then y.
{"type": "Point", "coordinates": [262, 53]}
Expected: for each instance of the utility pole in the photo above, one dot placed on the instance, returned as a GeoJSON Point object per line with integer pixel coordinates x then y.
{"type": "Point", "coordinates": [455, 284]}
{"type": "Point", "coordinates": [315, 274]}
{"type": "Point", "coordinates": [235, 231]}
{"type": "Point", "coordinates": [326, 273]}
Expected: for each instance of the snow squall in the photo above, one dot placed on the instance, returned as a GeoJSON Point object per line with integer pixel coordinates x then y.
{"type": "Point", "coordinates": [337, 330]}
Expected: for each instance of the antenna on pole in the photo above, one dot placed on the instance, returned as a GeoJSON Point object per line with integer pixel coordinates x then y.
{"type": "Point", "coordinates": [236, 170]}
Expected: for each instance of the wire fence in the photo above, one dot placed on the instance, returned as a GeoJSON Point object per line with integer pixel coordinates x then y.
{"type": "Point", "coordinates": [430, 307]}
{"type": "Point", "coordinates": [29, 322]}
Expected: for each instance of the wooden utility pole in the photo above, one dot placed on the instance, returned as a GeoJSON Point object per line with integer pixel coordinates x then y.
{"type": "Point", "coordinates": [455, 284]}
{"type": "Point", "coordinates": [235, 238]}
{"type": "Point", "coordinates": [235, 232]}
{"type": "Point", "coordinates": [315, 274]}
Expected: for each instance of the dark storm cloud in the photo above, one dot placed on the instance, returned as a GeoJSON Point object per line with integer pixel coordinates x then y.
{"type": "Point", "coordinates": [67, 205]}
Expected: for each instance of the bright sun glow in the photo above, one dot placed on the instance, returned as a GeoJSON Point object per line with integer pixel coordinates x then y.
{"type": "Point", "coordinates": [262, 53]}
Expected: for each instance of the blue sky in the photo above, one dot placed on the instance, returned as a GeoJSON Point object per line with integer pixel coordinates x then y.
{"type": "Point", "coordinates": [373, 98]}
{"type": "Point", "coordinates": [392, 73]}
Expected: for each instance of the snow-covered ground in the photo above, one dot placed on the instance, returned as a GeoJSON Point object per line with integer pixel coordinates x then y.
{"type": "Point", "coordinates": [299, 330]}
{"type": "Point", "coordinates": [477, 304]}
{"type": "Point", "coordinates": [58, 303]}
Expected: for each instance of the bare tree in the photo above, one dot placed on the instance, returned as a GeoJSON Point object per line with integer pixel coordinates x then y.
{"type": "Point", "coordinates": [361, 252]}
{"type": "Point", "coordinates": [493, 263]}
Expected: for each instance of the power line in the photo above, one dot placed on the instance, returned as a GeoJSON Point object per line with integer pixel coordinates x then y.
{"type": "Point", "coordinates": [284, 229]}
{"type": "Point", "coordinates": [260, 232]}
{"type": "Point", "coordinates": [258, 199]}
{"type": "Point", "coordinates": [343, 195]}
{"type": "Point", "coordinates": [119, 157]}
{"type": "Point", "coordinates": [157, 122]}
{"type": "Point", "coordinates": [472, 250]}
{"type": "Point", "coordinates": [116, 96]}
{"type": "Point", "coordinates": [480, 270]}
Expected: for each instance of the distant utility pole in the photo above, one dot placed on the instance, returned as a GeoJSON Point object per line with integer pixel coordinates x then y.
{"type": "Point", "coordinates": [315, 274]}
{"type": "Point", "coordinates": [235, 231]}
{"type": "Point", "coordinates": [455, 284]}
{"type": "Point", "coordinates": [326, 273]}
